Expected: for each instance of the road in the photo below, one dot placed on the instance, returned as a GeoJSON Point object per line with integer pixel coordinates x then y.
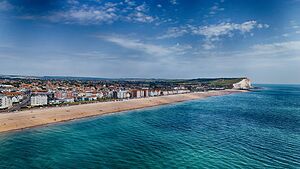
{"type": "Point", "coordinates": [17, 107]}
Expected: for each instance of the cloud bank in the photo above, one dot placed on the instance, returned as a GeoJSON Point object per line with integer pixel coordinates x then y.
{"type": "Point", "coordinates": [215, 32]}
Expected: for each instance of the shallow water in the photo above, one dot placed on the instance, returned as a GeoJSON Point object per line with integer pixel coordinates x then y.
{"type": "Point", "coordinates": [259, 129]}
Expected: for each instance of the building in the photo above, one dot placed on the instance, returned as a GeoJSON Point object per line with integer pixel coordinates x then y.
{"type": "Point", "coordinates": [89, 98]}
{"type": "Point", "coordinates": [165, 92]}
{"type": "Point", "coordinates": [154, 93]}
{"type": "Point", "coordinates": [114, 94]}
{"type": "Point", "coordinates": [99, 95]}
{"type": "Point", "coordinates": [5, 102]}
{"type": "Point", "coordinates": [39, 100]}
{"type": "Point", "coordinates": [16, 99]}
{"type": "Point", "coordinates": [183, 91]}
{"type": "Point", "coordinates": [145, 93]}
{"type": "Point", "coordinates": [123, 94]}
{"type": "Point", "coordinates": [14, 96]}
{"type": "Point", "coordinates": [136, 93]}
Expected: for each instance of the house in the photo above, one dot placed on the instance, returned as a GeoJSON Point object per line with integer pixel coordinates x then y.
{"type": "Point", "coordinates": [15, 96]}
{"type": "Point", "coordinates": [16, 99]}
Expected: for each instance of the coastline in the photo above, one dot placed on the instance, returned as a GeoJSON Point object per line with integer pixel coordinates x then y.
{"type": "Point", "coordinates": [38, 117]}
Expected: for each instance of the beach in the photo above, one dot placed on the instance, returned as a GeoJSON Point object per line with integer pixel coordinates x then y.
{"type": "Point", "coordinates": [37, 117]}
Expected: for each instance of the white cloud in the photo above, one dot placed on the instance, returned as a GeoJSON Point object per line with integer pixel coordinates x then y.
{"type": "Point", "coordinates": [81, 13]}
{"type": "Point", "coordinates": [281, 59]}
{"type": "Point", "coordinates": [278, 48]}
{"type": "Point", "coordinates": [285, 35]}
{"type": "Point", "coordinates": [180, 49]}
{"type": "Point", "coordinates": [294, 24]}
{"type": "Point", "coordinates": [5, 5]}
{"type": "Point", "coordinates": [86, 15]}
{"type": "Point", "coordinates": [224, 29]}
{"type": "Point", "coordinates": [130, 2]}
{"type": "Point", "coordinates": [96, 55]}
{"type": "Point", "coordinates": [260, 26]}
{"type": "Point", "coordinates": [141, 8]}
{"type": "Point", "coordinates": [139, 15]}
{"type": "Point", "coordinates": [215, 8]}
{"type": "Point", "coordinates": [214, 33]}
{"type": "Point", "coordinates": [73, 2]}
{"type": "Point", "coordinates": [151, 49]}
{"type": "Point", "coordinates": [174, 2]}
{"type": "Point", "coordinates": [174, 32]}
{"type": "Point", "coordinates": [208, 45]}
{"type": "Point", "coordinates": [138, 45]}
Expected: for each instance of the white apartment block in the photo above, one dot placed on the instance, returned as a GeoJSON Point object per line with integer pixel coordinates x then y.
{"type": "Point", "coordinates": [183, 91]}
{"type": "Point", "coordinates": [123, 94]}
{"type": "Point", "coordinates": [5, 102]}
{"type": "Point", "coordinates": [153, 93]}
{"type": "Point", "coordinates": [39, 100]}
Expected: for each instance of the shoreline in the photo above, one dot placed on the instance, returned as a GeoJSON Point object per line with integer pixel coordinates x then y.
{"type": "Point", "coordinates": [45, 116]}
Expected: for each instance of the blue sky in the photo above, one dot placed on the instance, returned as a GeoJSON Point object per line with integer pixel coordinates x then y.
{"type": "Point", "coordinates": [259, 39]}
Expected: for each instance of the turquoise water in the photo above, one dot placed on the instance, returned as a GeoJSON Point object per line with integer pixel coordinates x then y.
{"type": "Point", "coordinates": [259, 129]}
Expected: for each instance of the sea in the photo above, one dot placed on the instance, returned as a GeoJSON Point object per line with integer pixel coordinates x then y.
{"type": "Point", "coordinates": [258, 129]}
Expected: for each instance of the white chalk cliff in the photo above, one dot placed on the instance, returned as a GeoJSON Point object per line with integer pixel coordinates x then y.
{"type": "Point", "coordinates": [243, 84]}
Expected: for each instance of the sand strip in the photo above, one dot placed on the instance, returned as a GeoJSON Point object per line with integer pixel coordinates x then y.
{"type": "Point", "coordinates": [37, 117]}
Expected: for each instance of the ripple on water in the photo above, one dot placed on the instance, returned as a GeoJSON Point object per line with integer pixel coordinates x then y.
{"type": "Point", "coordinates": [249, 130]}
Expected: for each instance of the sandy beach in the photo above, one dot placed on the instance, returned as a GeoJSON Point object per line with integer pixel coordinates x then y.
{"type": "Point", "coordinates": [44, 116]}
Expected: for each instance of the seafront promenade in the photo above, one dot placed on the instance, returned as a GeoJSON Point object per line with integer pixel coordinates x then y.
{"type": "Point", "coordinates": [37, 117]}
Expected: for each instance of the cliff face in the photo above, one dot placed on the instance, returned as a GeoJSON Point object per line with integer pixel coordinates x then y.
{"type": "Point", "coordinates": [243, 84]}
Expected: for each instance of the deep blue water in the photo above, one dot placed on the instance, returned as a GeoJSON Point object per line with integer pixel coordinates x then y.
{"type": "Point", "coordinates": [259, 129]}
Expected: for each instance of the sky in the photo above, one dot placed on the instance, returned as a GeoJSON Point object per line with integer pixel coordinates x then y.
{"type": "Point", "coordinates": [259, 39]}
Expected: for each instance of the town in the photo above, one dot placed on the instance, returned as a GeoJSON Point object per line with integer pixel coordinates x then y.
{"type": "Point", "coordinates": [25, 93]}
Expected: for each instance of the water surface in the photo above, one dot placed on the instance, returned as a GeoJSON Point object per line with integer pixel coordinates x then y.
{"type": "Point", "coordinates": [259, 129]}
